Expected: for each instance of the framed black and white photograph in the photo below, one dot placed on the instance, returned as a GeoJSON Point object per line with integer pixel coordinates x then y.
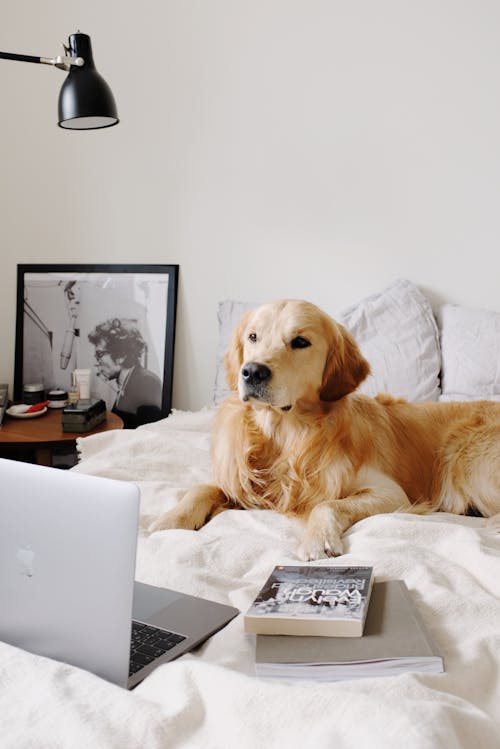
{"type": "Point", "coordinates": [116, 321]}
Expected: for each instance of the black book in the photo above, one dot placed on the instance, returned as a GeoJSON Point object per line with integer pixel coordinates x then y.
{"type": "Point", "coordinates": [395, 641]}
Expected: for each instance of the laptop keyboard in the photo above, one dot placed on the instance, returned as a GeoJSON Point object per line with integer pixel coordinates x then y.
{"type": "Point", "coordinates": [149, 643]}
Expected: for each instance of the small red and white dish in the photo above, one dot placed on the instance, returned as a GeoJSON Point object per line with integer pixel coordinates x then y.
{"type": "Point", "coordinates": [25, 411]}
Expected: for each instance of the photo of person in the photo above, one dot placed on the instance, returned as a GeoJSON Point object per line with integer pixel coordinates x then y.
{"type": "Point", "coordinates": [116, 321]}
{"type": "Point", "coordinates": [119, 352]}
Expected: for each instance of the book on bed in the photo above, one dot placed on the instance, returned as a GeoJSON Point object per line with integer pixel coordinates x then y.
{"type": "Point", "coordinates": [395, 641]}
{"type": "Point", "coordinates": [324, 601]}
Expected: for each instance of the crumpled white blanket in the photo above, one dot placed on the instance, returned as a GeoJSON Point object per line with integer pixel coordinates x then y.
{"type": "Point", "coordinates": [211, 697]}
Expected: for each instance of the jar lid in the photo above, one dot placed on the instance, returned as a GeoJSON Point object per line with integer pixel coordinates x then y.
{"type": "Point", "coordinates": [33, 387]}
{"type": "Point", "coordinates": [57, 395]}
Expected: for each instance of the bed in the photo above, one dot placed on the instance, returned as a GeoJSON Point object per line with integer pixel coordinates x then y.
{"type": "Point", "coordinates": [211, 697]}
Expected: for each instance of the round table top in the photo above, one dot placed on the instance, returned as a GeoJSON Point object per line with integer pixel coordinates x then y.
{"type": "Point", "coordinates": [47, 429]}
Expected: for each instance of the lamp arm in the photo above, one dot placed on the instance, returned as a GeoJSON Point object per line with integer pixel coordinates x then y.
{"type": "Point", "coordinates": [61, 61]}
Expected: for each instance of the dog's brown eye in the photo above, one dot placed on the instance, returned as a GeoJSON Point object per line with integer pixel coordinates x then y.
{"type": "Point", "coordinates": [252, 337]}
{"type": "Point", "coordinates": [300, 342]}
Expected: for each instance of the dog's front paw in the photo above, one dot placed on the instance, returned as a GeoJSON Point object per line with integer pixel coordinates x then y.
{"type": "Point", "coordinates": [320, 545]}
{"type": "Point", "coordinates": [323, 535]}
{"type": "Point", "coordinates": [195, 508]}
{"type": "Point", "coordinates": [175, 518]}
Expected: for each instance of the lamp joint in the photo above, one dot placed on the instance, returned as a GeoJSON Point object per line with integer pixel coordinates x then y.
{"type": "Point", "coordinates": [63, 62]}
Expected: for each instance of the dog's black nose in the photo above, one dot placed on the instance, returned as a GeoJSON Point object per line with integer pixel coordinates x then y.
{"type": "Point", "coordinates": [254, 373]}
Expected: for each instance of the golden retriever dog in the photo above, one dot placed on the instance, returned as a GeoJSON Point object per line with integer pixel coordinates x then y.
{"type": "Point", "coordinates": [295, 437]}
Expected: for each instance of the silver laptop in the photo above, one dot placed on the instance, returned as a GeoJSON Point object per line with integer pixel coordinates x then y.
{"type": "Point", "coordinates": [67, 562]}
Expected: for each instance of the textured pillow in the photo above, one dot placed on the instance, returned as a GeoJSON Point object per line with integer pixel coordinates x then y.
{"type": "Point", "coordinates": [470, 344]}
{"type": "Point", "coordinates": [395, 330]}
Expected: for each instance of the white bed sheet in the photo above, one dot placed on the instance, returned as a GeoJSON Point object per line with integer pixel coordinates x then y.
{"type": "Point", "coordinates": [211, 697]}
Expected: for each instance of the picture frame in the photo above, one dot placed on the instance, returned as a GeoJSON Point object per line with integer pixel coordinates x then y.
{"type": "Point", "coordinates": [118, 321]}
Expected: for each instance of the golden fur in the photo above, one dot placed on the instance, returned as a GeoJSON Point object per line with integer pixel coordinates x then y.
{"type": "Point", "coordinates": [295, 438]}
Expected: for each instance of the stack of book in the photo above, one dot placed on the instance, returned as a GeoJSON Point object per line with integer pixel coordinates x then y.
{"type": "Point", "coordinates": [330, 623]}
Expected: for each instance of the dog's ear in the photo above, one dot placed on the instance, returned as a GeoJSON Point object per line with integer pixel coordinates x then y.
{"type": "Point", "coordinates": [233, 358]}
{"type": "Point", "coordinates": [345, 366]}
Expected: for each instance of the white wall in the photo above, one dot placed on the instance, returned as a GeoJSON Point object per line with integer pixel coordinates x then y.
{"type": "Point", "coordinates": [306, 148]}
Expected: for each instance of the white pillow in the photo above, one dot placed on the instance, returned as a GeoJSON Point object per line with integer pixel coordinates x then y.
{"type": "Point", "coordinates": [398, 335]}
{"type": "Point", "coordinates": [229, 314]}
{"type": "Point", "coordinates": [395, 330]}
{"type": "Point", "coordinates": [470, 344]}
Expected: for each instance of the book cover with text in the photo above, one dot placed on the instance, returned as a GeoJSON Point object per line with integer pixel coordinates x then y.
{"type": "Point", "coordinates": [312, 600]}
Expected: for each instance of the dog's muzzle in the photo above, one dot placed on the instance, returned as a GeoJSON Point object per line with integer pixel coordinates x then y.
{"type": "Point", "coordinates": [254, 379]}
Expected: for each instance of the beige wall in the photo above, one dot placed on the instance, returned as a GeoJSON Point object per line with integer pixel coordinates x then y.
{"type": "Point", "coordinates": [272, 148]}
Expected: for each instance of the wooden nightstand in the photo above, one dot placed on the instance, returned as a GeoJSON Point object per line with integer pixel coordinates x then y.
{"type": "Point", "coordinates": [41, 436]}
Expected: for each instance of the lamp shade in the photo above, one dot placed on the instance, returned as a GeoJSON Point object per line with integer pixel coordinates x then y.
{"type": "Point", "coordinates": [85, 101]}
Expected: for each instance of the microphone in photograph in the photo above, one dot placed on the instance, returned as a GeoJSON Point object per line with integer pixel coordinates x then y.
{"type": "Point", "coordinates": [67, 348]}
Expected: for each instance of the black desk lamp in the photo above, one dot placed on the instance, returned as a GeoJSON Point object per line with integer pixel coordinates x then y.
{"type": "Point", "coordinates": [85, 101]}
